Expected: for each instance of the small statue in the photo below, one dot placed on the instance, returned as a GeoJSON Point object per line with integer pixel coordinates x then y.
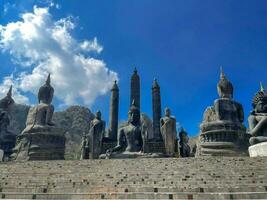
{"type": "Point", "coordinates": [84, 148]}
{"type": "Point", "coordinates": [184, 146]}
{"type": "Point", "coordinates": [95, 136]}
{"type": "Point", "coordinates": [130, 139]}
{"type": "Point", "coordinates": [168, 131]}
{"type": "Point", "coordinates": [258, 118]}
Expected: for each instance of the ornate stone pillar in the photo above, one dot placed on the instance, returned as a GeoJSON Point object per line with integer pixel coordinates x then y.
{"type": "Point", "coordinates": [135, 89]}
{"type": "Point", "coordinates": [114, 112]}
{"type": "Point", "coordinates": [156, 106]}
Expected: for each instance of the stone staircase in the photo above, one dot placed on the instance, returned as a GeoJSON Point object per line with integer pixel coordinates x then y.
{"type": "Point", "coordinates": [157, 178]}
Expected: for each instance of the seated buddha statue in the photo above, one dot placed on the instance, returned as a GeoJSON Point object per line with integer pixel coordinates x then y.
{"type": "Point", "coordinates": [222, 129]}
{"type": "Point", "coordinates": [130, 138]}
{"type": "Point", "coordinates": [40, 116]}
{"type": "Point", "coordinates": [41, 139]}
{"type": "Point", "coordinates": [257, 119]}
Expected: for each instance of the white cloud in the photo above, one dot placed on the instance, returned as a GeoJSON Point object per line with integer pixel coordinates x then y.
{"type": "Point", "coordinates": [91, 46]}
{"type": "Point", "coordinates": [41, 45]}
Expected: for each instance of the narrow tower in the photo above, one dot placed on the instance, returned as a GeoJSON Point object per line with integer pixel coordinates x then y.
{"type": "Point", "coordinates": [135, 89]}
{"type": "Point", "coordinates": [156, 106]}
{"type": "Point", "coordinates": [114, 112]}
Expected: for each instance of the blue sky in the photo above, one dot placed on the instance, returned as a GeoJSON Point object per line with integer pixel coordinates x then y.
{"type": "Point", "coordinates": [181, 43]}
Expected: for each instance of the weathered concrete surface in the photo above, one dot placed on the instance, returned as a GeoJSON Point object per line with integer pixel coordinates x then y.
{"type": "Point", "coordinates": [158, 178]}
{"type": "Point", "coordinates": [258, 150]}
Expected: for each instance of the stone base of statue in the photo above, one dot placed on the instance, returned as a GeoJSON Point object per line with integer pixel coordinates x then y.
{"type": "Point", "coordinates": [130, 155]}
{"type": "Point", "coordinates": [258, 150]}
{"type": "Point", "coordinates": [7, 143]}
{"type": "Point", "coordinates": [40, 143]}
{"type": "Point", "coordinates": [222, 139]}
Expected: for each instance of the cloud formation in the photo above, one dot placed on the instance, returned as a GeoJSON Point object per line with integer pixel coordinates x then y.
{"type": "Point", "coordinates": [41, 45]}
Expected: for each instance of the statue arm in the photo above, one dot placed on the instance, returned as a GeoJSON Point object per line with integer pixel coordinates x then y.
{"type": "Point", "coordinates": [120, 142]}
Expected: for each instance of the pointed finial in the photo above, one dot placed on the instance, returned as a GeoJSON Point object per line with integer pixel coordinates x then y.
{"type": "Point", "coordinates": [155, 83]}
{"type": "Point", "coordinates": [115, 82]}
{"type": "Point", "coordinates": [48, 80]}
{"type": "Point", "coordinates": [135, 70]}
{"type": "Point", "coordinates": [9, 93]}
{"type": "Point", "coordinates": [222, 75]}
{"type": "Point", "coordinates": [262, 87]}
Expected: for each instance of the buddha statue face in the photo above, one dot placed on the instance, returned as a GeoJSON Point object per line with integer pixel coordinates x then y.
{"type": "Point", "coordinates": [259, 101]}
{"type": "Point", "coordinates": [261, 106]}
{"type": "Point", "coordinates": [167, 112]}
{"type": "Point", "coordinates": [134, 116]}
{"type": "Point", "coordinates": [98, 115]}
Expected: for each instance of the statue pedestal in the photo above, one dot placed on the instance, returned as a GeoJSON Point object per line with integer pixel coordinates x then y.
{"type": "Point", "coordinates": [258, 150]}
{"type": "Point", "coordinates": [46, 144]}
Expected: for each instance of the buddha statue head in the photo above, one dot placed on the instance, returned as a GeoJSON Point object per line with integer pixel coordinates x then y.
{"type": "Point", "coordinates": [134, 115]}
{"type": "Point", "coordinates": [7, 100]}
{"type": "Point", "coordinates": [259, 101]}
{"type": "Point", "coordinates": [225, 87]}
{"type": "Point", "coordinates": [98, 115]}
{"type": "Point", "coordinates": [46, 92]}
{"type": "Point", "coordinates": [167, 112]}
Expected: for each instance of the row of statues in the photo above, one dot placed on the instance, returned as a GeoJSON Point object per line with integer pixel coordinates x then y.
{"type": "Point", "coordinates": [132, 138]}
{"type": "Point", "coordinates": [222, 131]}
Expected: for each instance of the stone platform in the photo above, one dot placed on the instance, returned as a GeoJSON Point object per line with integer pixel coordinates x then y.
{"type": "Point", "coordinates": [258, 150]}
{"type": "Point", "coordinates": [40, 145]}
{"type": "Point", "coordinates": [157, 178]}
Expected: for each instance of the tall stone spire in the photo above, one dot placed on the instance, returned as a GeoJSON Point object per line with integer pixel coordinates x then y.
{"type": "Point", "coordinates": [156, 106]}
{"type": "Point", "coordinates": [114, 112]}
{"type": "Point", "coordinates": [135, 89]}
